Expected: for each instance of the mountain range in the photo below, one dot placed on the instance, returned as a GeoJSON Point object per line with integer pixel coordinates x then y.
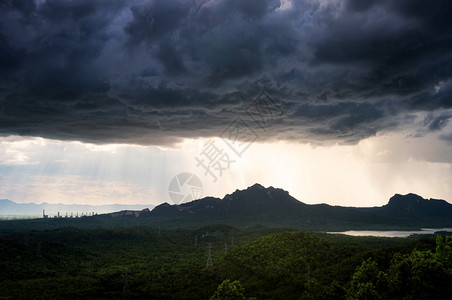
{"type": "Point", "coordinates": [256, 205]}
{"type": "Point", "coordinates": [271, 206]}
{"type": "Point", "coordinates": [11, 208]}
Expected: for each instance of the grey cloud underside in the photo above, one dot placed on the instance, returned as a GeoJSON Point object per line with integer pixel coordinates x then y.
{"type": "Point", "coordinates": [152, 72]}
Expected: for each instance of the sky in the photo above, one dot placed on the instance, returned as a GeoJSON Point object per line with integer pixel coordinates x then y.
{"type": "Point", "coordinates": [344, 102]}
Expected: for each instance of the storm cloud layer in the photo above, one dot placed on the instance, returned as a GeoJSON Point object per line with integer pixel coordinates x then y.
{"type": "Point", "coordinates": [152, 72]}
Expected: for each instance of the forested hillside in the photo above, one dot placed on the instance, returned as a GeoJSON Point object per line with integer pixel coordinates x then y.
{"type": "Point", "coordinates": [260, 262]}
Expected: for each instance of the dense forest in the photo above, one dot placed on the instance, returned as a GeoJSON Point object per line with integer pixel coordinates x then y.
{"type": "Point", "coordinates": [221, 262]}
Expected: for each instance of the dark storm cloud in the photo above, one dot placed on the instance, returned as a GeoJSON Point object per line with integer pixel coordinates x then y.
{"type": "Point", "coordinates": [446, 137]}
{"type": "Point", "coordinates": [151, 72]}
{"type": "Point", "coordinates": [437, 122]}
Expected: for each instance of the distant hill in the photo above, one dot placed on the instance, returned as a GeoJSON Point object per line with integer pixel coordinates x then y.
{"type": "Point", "coordinates": [256, 205]}
{"type": "Point", "coordinates": [415, 207]}
{"type": "Point", "coordinates": [254, 201]}
{"type": "Point", "coordinates": [11, 208]}
{"type": "Point", "coordinates": [275, 207]}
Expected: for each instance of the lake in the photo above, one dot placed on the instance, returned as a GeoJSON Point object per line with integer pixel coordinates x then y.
{"type": "Point", "coordinates": [394, 233]}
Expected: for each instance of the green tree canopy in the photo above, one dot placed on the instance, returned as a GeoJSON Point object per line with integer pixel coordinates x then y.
{"type": "Point", "coordinates": [228, 290]}
{"type": "Point", "coordinates": [368, 282]}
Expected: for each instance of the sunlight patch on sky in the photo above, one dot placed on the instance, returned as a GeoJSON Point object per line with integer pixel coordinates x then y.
{"type": "Point", "coordinates": [365, 174]}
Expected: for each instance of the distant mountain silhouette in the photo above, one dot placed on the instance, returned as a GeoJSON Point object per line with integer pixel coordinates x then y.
{"type": "Point", "coordinates": [11, 208]}
{"type": "Point", "coordinates": [130, 213]}
{"type": "Point", "coordinates": [258, 205]}
{"type": "Point", "coordinates": [275, 207]}
{"type": "Point", "coordinates": [412, 206]}
{"type": "Point", "coordinates": [255, 200]}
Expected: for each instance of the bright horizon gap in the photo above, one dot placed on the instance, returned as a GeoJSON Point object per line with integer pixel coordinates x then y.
{"type": "Point", "coordinates": [362, 175]}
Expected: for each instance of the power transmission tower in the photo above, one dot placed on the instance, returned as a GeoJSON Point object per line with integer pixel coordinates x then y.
{"type": "Point", "coordinates": [209, 262]}
{"type": "Point", "coordinates": [125, 289]}
{"type": "Point", "coordinates": [89, 270]}
{"type": "Point", "coordinates": [225, 247]}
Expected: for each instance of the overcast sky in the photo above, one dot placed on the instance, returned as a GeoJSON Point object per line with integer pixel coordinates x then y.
{"type": "Point", "coordinates": [338, 101]}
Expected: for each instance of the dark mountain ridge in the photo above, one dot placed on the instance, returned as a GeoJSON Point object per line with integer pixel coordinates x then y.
{"type": "Point", "coordinates": [255, 200]}
{"type": "Point", "coordinates": [276, 207]}
{"type": "Point", "coordinates": [272, 207]}
{"type": "Point", "coordinates": [414, 206]}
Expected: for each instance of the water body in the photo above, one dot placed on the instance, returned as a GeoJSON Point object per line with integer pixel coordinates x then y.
{"type": "Point", "coordinates": [394, 233]}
